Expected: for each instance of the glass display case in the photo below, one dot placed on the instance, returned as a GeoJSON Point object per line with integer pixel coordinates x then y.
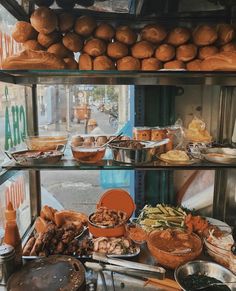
{"type": "Point", "coordinates": [33, 102]}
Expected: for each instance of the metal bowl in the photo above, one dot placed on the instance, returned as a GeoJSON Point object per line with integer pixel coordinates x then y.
{"type": "Point", "coordinates": [203, 268]}
{"type": "Point", "coordinates": [135, 156]}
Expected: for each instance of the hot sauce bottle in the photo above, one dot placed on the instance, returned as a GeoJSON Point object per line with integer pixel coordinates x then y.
{"type": "Point", "coordinates": [12, 235]}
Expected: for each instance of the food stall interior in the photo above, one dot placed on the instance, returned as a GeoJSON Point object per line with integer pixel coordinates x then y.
{"type": "Point", "coordinates": [198, 105]}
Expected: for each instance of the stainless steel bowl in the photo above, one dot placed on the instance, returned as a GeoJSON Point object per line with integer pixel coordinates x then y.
{"type": "Point", "coordinates": [203, 268]}
{"type": "Point", "coordinates": [134, 156]}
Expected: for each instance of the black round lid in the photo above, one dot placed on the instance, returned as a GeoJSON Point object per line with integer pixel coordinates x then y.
{"type": "Point", "coordinates": [52, 273]}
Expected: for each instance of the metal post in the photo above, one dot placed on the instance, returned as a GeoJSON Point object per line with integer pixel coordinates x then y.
{"type": "Point", "coordinates": [32, 128]}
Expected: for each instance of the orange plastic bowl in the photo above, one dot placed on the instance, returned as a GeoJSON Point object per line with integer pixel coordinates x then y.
{"type": "Point", "coordinates": [172, 259]}
{"type": "Point", "coordinates": [107, 231]}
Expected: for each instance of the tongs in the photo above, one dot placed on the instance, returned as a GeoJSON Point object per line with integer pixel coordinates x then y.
{"type": "Point", "coordinates": [125, 267]}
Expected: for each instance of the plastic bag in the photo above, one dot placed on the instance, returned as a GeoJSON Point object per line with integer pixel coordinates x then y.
{"type": "Point", "coordinates": [197, 132]}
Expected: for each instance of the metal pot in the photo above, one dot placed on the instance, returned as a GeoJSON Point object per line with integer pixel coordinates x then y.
{"type": "Point", "coordinates": [136, 156]}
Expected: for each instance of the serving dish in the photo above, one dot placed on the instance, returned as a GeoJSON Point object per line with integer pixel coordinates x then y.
{"type": "Point", "coordinates": [173, 247]}
{"type": "Point", "coordinates": [88, 155]}
{"type": "Point", "coordinates": [141, 154]}
{"type": "Point", "coordinates": [220, 155]}
{"type": "Point", "coordinates": [183, 163]}
{"type": "Point", "coordinates": [46, 143]}
{"type": "Point", "coordinates": [33, 157]}
{"type": "Point", "coordinates": [206, 268]}
{"type": "Point", "coordinates": [121, 203]}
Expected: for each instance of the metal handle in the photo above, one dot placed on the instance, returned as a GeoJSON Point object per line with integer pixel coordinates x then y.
{"type": "Point", "coordinates": [128, 264]}
{"type": "Point", "coordinates": [63, 147]}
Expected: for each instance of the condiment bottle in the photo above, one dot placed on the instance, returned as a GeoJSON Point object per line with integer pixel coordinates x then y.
{"type": "Point", "coordinates": [12, 235]}
{"type": "Point", "coordinates": [7, 262]}
{"type": "Point", "coordinates": [232, 262]}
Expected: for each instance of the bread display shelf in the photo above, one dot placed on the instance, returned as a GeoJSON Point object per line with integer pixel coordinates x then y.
{"type": "Point", "coordinates": [69, 164]}
{"type": "Point", "coordinates": [52, 77]}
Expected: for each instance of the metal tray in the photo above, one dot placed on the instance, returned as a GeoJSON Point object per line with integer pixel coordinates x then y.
{"type": "Point", "coordinates": [21, 157]}
{"type": "Point", "coordinates": [30, 233]}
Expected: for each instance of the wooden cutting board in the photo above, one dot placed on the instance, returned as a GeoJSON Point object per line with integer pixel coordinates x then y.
{"type": "Point", "coordinates": [166, 284]}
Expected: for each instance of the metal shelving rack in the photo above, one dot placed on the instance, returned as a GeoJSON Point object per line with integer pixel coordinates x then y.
{"type": "Point", "coordinates": [34, 77]}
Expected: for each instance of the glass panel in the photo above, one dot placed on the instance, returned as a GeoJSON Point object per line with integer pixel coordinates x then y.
{"type": "Point", "coordinates": [13, 122]}
{"type": "Point", "coordinates": [82, 110]}
{"type": "Point", "coordinates": [16, 190]}
{"type": "Point", "coordinates": [7, 45]}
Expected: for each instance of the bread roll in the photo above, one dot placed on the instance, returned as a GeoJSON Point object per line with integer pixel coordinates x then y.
{"type": "Point", "coordinates": [225, 33]}
{"type": "Point", "coordinates": [165, 52]}
{"type": "Point", "coordinates": [32, 45]}
{"type": "Point", "coordinates": [207, 51]}
{"type": "Point", "coordinates": [23, 31]}
{"type": "Point", "coordinates": [151, 64]}
{"type": "Point", "coordinates": [63, 216]}
{"type": "Point", "coordinates": [85, 25]}
{"type": "Point", "coordinates": [117, 50]}
{"type": "Point", "coordinates": [65, 21]}
{"type": "Point", "coordinates": [204, 35]}
{"type": "Point", "coordinates": [142, 50]}
{"type": "Point", "coordinates": [154, 33]}
{"type": "Point", "coordinates": [66, 4]}
{"type": "Point", "coordinates": [44, 20]}
{"type": "Point", "coordinates": [229, 47]}
{"type": "Point", "coordinates": [104, 31]}
{"type": "Point", "coordinates": [95, 47]}
{"type": "Point", "coordinates": [48, 213]}
{"type": "Point", "coordinates": [224, 61]}
{"type": "Point", "coordinates": [194, 65]}
{"type": "Point", "coordinates": [40, 225]}
{"type": "Point", "coordinates": [72, 41]}
{"type": "Point", "coordinates": [174, 65]}
{"type": "Point", "coordinates": [85, 62]}
{"type": "Point", "coordinates": [126, 35]}
{"type": "Point", "coordinates": [33, 60]}
{"type": "Point", "coordinates": [46, 3]}
{"type": "Point", "coordinates": [128, 64]}
{"type": "Point", "coordinates": [186, 52]}
{"type": "Point", "coordinates": [48, 39]}
{"type": "Point", "coordinates": [71, 63]}
{"type": "Point", "coordinates": [178, 36]}
{"type": "Point", "coordinates": [59, 50]}
{"type": "Point", "coordinates": [103, 63]}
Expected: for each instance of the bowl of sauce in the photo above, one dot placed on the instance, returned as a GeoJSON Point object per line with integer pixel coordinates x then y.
{"type": "Point", "coordinates": [173, 247]}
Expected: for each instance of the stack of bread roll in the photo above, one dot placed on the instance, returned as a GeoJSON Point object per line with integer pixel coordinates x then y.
{"type": "Point", "coordinates": [51, 41]}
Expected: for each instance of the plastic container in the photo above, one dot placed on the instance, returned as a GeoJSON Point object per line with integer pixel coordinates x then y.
{"type": "Point", "coordinates": [220, 250]}
{"type": "Point", "coordinates": [117, 199]}
{"type": "Point", "coordinates": [142, 133]}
